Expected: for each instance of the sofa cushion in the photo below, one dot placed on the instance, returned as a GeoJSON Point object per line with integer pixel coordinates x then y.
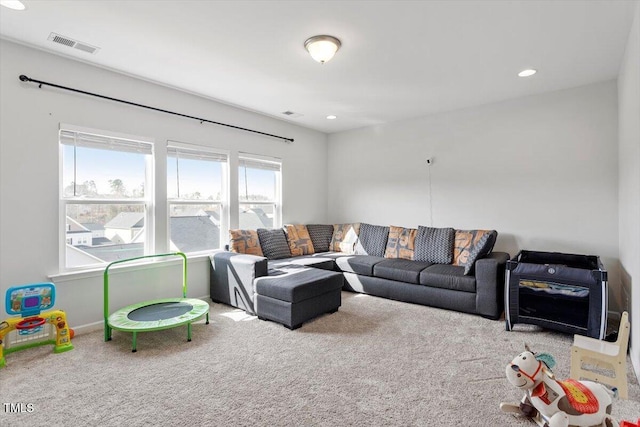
{"type": "Point", "coordinates": [320, 235]}
{"type": "Point", "coordinates": [372, 240]}
{"type": "Point", "coordinates": [359, 264]}
{"type": "Point", "coordinates": [245, 242]}
{"type": "Point", "coordinates": [298, 284]}
{"type": "Point", "coordinates": [471, 245]}
{"type": "Point", "coordinates": [274, 243]}
{"type": "Point", "coordinates": [434, 245]}
{"type": "Point", "coordinates": [299, 240]}
{"type": "Point", "coordinates": [344, 238]}
{"type": "Point", "coordinates": [402, 270]}
{"type": "Point", "coordinates": [325, 263]}
{"type": "Point", "coordinates": [447, 276]}
{"type": "Point", "coordinates": [400, 243]}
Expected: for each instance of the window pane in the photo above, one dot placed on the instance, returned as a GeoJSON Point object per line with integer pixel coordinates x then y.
{"type": "Point", "coordinates": [102, 173]}
{"type": "Point", "coordinates": [103, 233]}
{"type": "Point", "coordinates": [190, 179]}
{"type": "Point", "coordinates": [194, 228]}
{"type": "Point", "coordinates": [256, 184]}
{"type": "Point", "coordinates": [253, 217]}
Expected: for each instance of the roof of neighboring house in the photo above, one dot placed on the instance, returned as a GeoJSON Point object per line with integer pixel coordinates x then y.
{"type": "Point", "coordinates": [109, 253]}
{"type": "Point", "coordinates": [98, 241]}
{"type": "Point", "coordinates": [194, 233]}
{"type": "Point", "coordinates": [254, 218]}
{"type": "Point", "coordinates": [126, 220]}
{"type": "Point", "coordinates": [93, 226]}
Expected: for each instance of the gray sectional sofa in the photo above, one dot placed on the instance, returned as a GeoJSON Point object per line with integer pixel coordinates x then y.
{"type": "Point", "coordinates": [245, 280]}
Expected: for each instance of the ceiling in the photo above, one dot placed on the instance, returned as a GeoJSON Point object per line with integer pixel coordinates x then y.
{"type": "Point", "coordinates": [399, 59]}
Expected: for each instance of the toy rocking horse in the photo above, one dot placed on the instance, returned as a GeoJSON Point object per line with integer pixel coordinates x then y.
{"type": "Point", "coordinates": [553, 403]}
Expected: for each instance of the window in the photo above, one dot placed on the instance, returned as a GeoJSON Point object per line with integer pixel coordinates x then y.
{"type": "Point", "coordinates": [105, 197]}
{"type": "Point", "coordinates": [259, 190]}
{"type": "Point", "coordinates": [197, 196]}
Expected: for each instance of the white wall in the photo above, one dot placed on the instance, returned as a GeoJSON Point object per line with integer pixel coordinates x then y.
{"type": "Point", "coordinates": [629, 180]}
{"type": "Point", "coordinates": [541, 170]}
{"type": "Point", "coordinates": [29, 120]}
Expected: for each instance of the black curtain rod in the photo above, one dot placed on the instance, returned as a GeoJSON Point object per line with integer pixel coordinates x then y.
{"type": "Point", "coordinates": [40, 83]}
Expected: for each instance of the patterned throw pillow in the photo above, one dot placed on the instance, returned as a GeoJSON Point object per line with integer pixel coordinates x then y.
{"type": "Point", "coordinates": [245, 242]}
{"type": "Point", "coordinates": [435, 245]}
{"type": "Point", "coordinates": [299, 240]}
{"type": "Point", "coordinates": [344, 238]}
{"type": "Point", "coordinates": [471, 245]}
{"type": "Point", "coordinates": [320, 236]}
{"type": "Point", "coordinates": [401, 243]}
{"type": "Point", "coordinates": [372, 240]}
{"type": "Point", "coordinates": [274, 243]}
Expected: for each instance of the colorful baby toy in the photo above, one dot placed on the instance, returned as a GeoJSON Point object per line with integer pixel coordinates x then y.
{"type": "Point", "coordinates": [553, 403]}
{"type": "Point", "coordinates": [33, 328]}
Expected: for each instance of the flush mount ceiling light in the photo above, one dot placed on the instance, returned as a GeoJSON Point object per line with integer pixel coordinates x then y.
{"type": "Point", "coordinates": [13, 4]}
{"type": "Point", "coordinates": [527, 73]}
{"type": "Point", "coordinates": [331, 117]}
{"type": "Point", "coordinates": [322, 48]}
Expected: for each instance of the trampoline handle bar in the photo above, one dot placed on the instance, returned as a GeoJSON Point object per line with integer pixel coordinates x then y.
{"type": "Point", "coordinates": [106, 277]}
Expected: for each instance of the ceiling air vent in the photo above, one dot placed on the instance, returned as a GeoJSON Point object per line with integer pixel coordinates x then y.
{"type": "Point", "coordinates": [66, 41]}
{"type": "Point", "coordinates": [291, 114]}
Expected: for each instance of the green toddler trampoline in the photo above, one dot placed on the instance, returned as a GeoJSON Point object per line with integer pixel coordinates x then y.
{"type": "Point", "coordinates": [154, 315]}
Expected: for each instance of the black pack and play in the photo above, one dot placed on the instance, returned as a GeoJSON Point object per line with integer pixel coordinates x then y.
{"type": "Point", "coordinates": [564, 292]}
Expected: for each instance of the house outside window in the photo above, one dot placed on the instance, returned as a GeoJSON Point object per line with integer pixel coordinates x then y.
{"type": "Point", "coordinates": [197, 178]}
{"type": "Point", "coordinates": [105, 197]}
{"type": "Point", "coordinates": [259, 192]}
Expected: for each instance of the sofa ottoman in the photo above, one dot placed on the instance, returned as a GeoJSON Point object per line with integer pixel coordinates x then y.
{"type": "Point", "coordinates": [293, 294]}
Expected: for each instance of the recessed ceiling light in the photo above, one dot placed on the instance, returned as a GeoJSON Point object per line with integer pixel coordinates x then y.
{"type": "Point", "coordinates": [527, 73]}
{"type": "Point", "coordinates": [13, 4]}
{"type": "Point", "coordinates": [332, 117]}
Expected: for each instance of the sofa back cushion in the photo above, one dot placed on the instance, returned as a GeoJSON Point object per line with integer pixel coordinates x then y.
{"type": "Point", "coordinates": [401, 243]}
{"type": "Point", "coordinates": [372, 240]}
{"type": "Point", "coordinates": [274, 243]}
{"type": "Point", "coordinates": [435, 245]}
{"type": "Point", "coordinates": [471, 245]}
{"type": "Point", "coordinates": [245, 242]}
{"type": "Point", "coordinates": [321, 235]}
{"type": "Point", "coordinates": [345, 237]}
{"type": "Point", "coordinates": [299, 240]}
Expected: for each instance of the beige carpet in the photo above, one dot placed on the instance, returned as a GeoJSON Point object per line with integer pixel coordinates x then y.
{"type": "Point", "coordinates": [376, 362]}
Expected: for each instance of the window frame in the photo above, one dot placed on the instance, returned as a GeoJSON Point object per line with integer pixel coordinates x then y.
{"type": "Point", "coordinates": [277, 202]}
{"type": "Point", "coordinates": [147, 202]}
{"type": "Point", "coordinates": [204, 150]}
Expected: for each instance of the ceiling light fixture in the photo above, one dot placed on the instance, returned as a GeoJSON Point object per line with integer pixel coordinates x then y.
{"type": "Point", "coordinates": [322, 48]}
{"type": "Point", "coordinates": [13, 4]}
{"type": "Point", "coordinates": [527, 73]}
{"type": "Point", "coordinates": [332, 117]}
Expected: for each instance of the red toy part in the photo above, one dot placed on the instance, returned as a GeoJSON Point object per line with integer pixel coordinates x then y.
{"type": "Point", "coordinates": [30, 323]}
{"type": "Point", "coordinates": [630, 424]}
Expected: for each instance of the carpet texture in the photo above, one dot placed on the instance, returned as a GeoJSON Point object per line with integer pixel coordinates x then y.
{"type": "Point", "coordinates": [375, 362]}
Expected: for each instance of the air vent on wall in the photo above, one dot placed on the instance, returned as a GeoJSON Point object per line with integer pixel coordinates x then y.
{"type": "Point", "coordinates": [66, 41]}
{"type": "Point", "coordinates": [291, 114]}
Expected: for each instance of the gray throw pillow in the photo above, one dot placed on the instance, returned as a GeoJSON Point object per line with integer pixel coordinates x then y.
{"type": "Point", "coordinates": [434, 245]}
{"type": "Point", "coordinates": [274, 243]}
{"type": "Point", "coordinates": [480, 250]}
{"type": "Point", "coordinates": [320, 236]}
{"type": "Point", "coordinates": [372, 240]}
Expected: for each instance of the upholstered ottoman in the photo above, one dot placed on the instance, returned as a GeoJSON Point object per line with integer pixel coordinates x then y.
{"type": "Point", "coordinates": [294, 294]}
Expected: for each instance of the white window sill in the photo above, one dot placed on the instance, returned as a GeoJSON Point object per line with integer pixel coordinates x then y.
{"type": "Point", "coordinates": [73, 275]}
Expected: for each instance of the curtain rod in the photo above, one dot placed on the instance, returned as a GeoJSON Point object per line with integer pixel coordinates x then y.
{"type": "Point", "coordinates": [201, 120]}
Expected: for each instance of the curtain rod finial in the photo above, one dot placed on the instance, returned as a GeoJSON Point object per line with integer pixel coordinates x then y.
{"type": "Point", "coordinates": [24, 78]}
